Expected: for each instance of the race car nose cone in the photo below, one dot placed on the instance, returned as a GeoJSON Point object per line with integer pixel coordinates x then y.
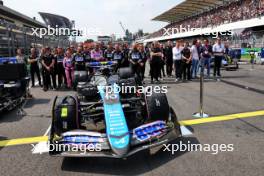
{"type": "Point", "coordinates": [119, 144]}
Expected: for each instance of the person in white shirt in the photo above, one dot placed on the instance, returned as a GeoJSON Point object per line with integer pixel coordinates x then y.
{"type": "Point", "coordinates": [177, 59]}
{"type": "Point", "coordinates": [195, 58]}
{"type": "Point", "coordinates": [218, 51]}
{"type": "Point", "coordinates": [20, 57]}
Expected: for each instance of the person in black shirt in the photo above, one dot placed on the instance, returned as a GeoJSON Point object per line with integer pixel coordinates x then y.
{"type": "Point", "coordinates": [118, 56]}
{"type": "Point", "coordinates": [48, 61]}
{"type": "Point", "coordinates": [168, 58]}
{"type": "Point", "coordinates": [162, 62]}
{"type": "Point", "coordinates": [186, 62]}
{"type": "Point", "coordinates": [34, 68]}
{"type": "Point", "coordinates": [125, 61]}
{"type": "Point", "coordinates": [79, 60]}
{"type": "Point", "coordinates": [108, 53]}
{"type": "Point", "coordinates": [144, 60]}
{"type": "Point", "coordinates": [155, 62]}
{"type": "Point", "coordinates": [135, 59]}
{"type": "Point", "coordinates": [60, 68]}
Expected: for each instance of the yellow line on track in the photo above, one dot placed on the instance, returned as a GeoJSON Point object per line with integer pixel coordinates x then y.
{"type": "Point", "coordinates": [222, 118]}
{"type": "Point", "coordinates": [19, 141]}
{"type": "Point", "coordinates": [31, 140]}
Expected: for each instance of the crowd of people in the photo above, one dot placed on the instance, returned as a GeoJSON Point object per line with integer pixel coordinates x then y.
{"type": "Point", "coordinates": [231, 11]}
{"type": "Point", "coordinates": [185, 59]}
{"type": "Point", "coordinates": [55, 67]}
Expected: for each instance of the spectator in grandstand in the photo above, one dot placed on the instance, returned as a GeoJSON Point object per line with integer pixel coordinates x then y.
{"type": "Point", "coordinates": [177, 59]}
{"type": "Point", "coordinates": [218, 51]}
{"type": "Point", "coordinates": [155, 62]}
{"type": "Point", "coordinates": [229, 12]}
{"type": "Point", "coordinates": [186, 62]}
{"type": "Point", "coordinates": [168, 58]}
{"type": "Point", "coordinates": [195, 58]}
{"type": "Point", "coordinates": [60, 68]}
{"type": "Point", "coordinates": [69, 67]}
{"type": "Point", "coordinates": [206, 54]}
{"type": "Point", "coordinates": [108, 53]}
{"type": "Point", "coordinates": [34, 67]}
{"type": "Point", "coordinates": [136, 60]}
{"type": "Point", "coordinates": [48, 61]}
{"type": "Point", "coordinates": [20, 57]}
{"type": "Point", "coordinates": [97, 53]}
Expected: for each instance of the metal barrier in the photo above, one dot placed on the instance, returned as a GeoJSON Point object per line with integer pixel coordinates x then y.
{"type": "Point", "coordinates": [13, 37]}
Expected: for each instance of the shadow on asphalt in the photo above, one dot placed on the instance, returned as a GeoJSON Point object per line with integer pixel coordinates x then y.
{"type": "Point", "coordinates": [139, 163]}
{"type": "Point", "coordinates": [1, 139]}
{"type": "Point", "coordinates": [34, 101]}
{"type": "Point", "coordinates": [10, 116]}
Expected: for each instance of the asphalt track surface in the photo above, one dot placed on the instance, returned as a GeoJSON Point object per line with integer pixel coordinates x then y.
{"type": "Point", "coordinates": [232, 95]}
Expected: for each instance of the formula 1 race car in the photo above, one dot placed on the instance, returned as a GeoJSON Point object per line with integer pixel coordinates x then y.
{"type": "Point", "coordinates": [13, 84]}
{"type": "Point", "coordinates": [111, 122]}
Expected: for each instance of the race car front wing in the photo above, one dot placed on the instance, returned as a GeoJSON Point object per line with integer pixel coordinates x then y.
{"type": "Point", "coordinates": [81, 143]}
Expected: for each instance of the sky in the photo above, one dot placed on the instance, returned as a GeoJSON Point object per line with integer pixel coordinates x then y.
{"type": "Point", "coordinates": [100, 15]}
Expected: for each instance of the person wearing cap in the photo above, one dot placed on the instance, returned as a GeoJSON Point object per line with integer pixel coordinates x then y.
{"type": "Point", "coordinates": [218, 51]}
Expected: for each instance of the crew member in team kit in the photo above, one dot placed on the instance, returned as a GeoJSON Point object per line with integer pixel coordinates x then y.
{"type": "Point", "coordinates": [135, 59]}
{"type": "Point", "coordinates": [48, 61]}
{"type": "Point", "coordinates": [34, 68]}
{"type": "Point", "coordinates": [79, 60]}
{"type": "Point", "coordinates": [60, 68]}
{"type": "Point", "coordinates": [118, 56]}
{"type": "Point", "coordinates": [108, 53]}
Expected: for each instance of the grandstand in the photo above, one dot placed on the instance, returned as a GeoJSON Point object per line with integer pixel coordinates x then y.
{"type": "Point", "coordinates": [16, 32]}
{"type": "Point", "coordinates": [245, 18]}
